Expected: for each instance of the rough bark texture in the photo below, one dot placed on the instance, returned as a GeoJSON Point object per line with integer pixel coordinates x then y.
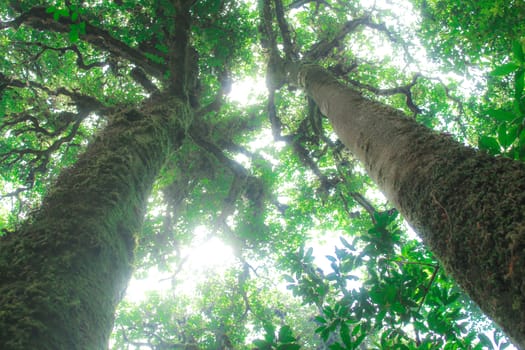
{"type": "Point", "coordinates": [63, 273]}
{"type": "Point", "coordinates": [468, 207]}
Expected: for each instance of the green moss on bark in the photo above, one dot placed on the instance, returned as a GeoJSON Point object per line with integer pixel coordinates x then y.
{"type": "Point", "coordinates": [470, 211]}
{"type": "Point", "coordinates": [63, 273]}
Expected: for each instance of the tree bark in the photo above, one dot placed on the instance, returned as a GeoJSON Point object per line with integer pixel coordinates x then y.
{"type": "Point", "coordinates": [65, 270]}
{"type": "Point", "coordinates": [468, 207]}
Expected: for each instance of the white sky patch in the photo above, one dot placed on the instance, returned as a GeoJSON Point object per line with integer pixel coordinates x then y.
{"type": "Point", "coordinates": [207, 253]}
{"type": "Point", "coordinates": [247, 91]}
{"type": "Point", "coordinates": [325, 246]}
{"type": "Point", "coordinates": [243, 159]}
{"type": "Point", "coordinates": [139, 288]}
{"type": "Point", "coordinates": [264, 139]}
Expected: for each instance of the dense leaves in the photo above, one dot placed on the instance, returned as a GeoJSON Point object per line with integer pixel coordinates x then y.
{"type": "Point", "coordinates": [510, 135]}
{"type": "Point", "coordinates": [265, 175]}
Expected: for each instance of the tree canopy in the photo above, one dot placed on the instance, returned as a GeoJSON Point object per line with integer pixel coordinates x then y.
{"type": "Point", "coordinates": [264, 176]}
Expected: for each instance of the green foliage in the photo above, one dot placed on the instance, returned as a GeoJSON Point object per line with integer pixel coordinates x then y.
{"type": "Point", "coordinates": [72, 13]}
{"type": "Point", "coordinates": [373, 293]}
{"type": "Point", "coordinates": [269, 190]}
{"type": "Point", "coordinates": [284, 340]}
{"type": "Point", "coordinates": [509, 138]}
{"type": "Point", "coordinates": [466, 32]}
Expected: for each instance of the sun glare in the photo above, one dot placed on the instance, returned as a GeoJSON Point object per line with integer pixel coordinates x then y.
{"type": "Point", "coordinates": [247, 91]}
{"type": "Point", "coordinates": [206, 253]}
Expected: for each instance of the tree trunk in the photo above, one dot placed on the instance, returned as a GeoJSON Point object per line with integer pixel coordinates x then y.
{"type": "Point", "coordinates": [65, 270]}
{"type": "Point", "coordinates": [468, 207]}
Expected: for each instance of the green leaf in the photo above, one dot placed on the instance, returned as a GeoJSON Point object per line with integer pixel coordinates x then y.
{"type": "Point", "coordinates": [518, 84]}
{"type": "Point", "coordinates": [489, 144]}
{"type": "Point", "coordinates": [517, 50]}
{"type": "Point", "coordinates": [502, 135]}
{"type": "Point", "coordinates": [501, 115]}
{"type": "Point", "coordinates": [320, 319]}
{"type": "Point", "coordinates": [309, 253]}
{"type": "Point", "coordinates": [64, 12]}
{"type": "Point", "coordinates": [289, 278]}
{"type": "Point", "coordinates": [346, 243]}
{"type": "Point", "coordinates": [485, 341]}
{"type": "Point", "coordinates": [285, 335]}
{"type": "Point", "coordinates": [331, 276]}
{"type": "Point", "coordinates": [331, 258]}
{"type": "Point", "coordinates": [377, 297]}
{"type": "Point", "coordinates": [352, 278]}
{"type": "Point", "coordinates": [504, 69]}
{"type": "Point", "coordinates": [325, 333]}
{"type": "Point", "coordinates": [162, 48]}
{"type": "Point", "coordinates": [82, 28]}
{"type": "Point", "coordinates": [398, 308]}
{"type": "Point", "coordinates": [513, 134]}
{"type": "Point", "coordinates": [347, 266]}
{"type": "Point", "coordinates": [420, 326]}
{"type": "Point", "coordinates": [154, 58]}
{"type": "Point", "coordinates": [320, 329]}
{"type": "Point", "coordinates": [73, 33]}
{"type": "Point", "coordinates": [289, 347]}
{"type": "Point", "coordinates": [321, 289]}
{"type": "Point", "coordinates": [504, 345]}
{"type": "Point", "coordinates": [342, 311]}
{"type": "Point", "coordinates": [390, 293]}
{"type": "Point", "coordinates": [522, 137]}
{"type": "Point", "coordinates": [359, 339]}
{"type": "Point", "coordinates": [340, 253]}
{"type": "Point", "coordinates": [345, 335]}
{"type": "Point", "coordinates": [382, 219]}
{"type": "Point", "coordinates": [453, 297]}
{"type": "Point", "coordinates": [356, 330]}
{"type": "Point", "coordinates": [262, 344]}
{"type": "Point", "coordinates": [270, 333]}
{"type": "Point", "coordinates": [329, 312]}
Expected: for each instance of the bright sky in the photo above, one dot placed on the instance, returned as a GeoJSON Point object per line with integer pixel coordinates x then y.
{"type": "Point", "coordinates": [205, 253]}
{"type": "Point", "coordinates": [246, 91]}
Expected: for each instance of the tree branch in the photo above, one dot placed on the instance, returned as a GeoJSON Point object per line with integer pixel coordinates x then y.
{"type": "Point", "coordinates": [299, 3]}
{"type": "Point", "coordinates": [289, 46]}
{"type": "Point", "coordinates": [323, 48]}
{"type": "Point", "coordinates": [404, 89]}
{"type": "Point", "coordinates": [38, 18]}
{"type": "Point", "coordinates": [80, 59]}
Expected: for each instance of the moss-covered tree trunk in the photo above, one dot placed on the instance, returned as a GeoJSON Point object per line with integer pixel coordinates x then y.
{"type": "Point", "coordinates": [63, 273]}
{"type": "Point", "coordinates": [468, 207]}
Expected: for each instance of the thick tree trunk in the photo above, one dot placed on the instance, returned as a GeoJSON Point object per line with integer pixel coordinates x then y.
{"type": "Point", "coordinates": [63, 273]}
{"type": "Point", "coordinates": [468, 207]}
